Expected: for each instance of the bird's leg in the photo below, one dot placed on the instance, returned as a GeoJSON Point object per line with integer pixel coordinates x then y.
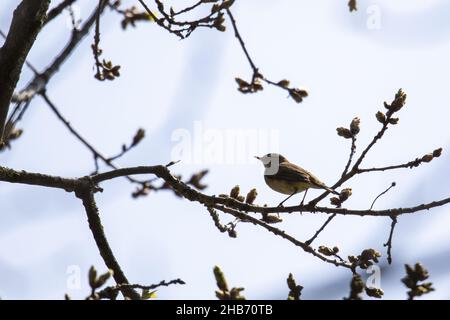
{"type": "Point", "coordinates": [281, 203]}
{"type": "Point", "coordinates": [304, 196]}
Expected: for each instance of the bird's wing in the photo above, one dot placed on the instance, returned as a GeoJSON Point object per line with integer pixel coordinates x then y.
{"type": "Point", "coordinates": [290, 172]}
{"type": "Point", "coordinates": [302, 174]}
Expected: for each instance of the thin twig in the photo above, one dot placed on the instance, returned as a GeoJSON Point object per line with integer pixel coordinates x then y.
{"type": "Point", "coordinates": [355, 168]}
{"type": "Point", "coordinates": [296, 94]}
{"type": "Point", "coordinates": [347, 166]}
{"type": "Point", "coordinates": [381, 194]}
{"type": "Point", "coordinates": [111, 292]}
{"type": "Point", "coordinates": [308, 242]}
{"type": "Point", "coordinates": [40, 81]}
{"type": "Point", "coordinates": [241, 42]}
{"type": "Point", "coordinates": [281, 233]}
{"type": "Point", "coordinates": [96, 48]}
{"type": "Point", "coordinates": [350, 158]}
{"type": "Point", "coordinates": [96, 154]}
{"type": "Point", "coordinates": [215, 217]}
{"type": "Point", "coordinates": [56, 11]}
{"type": "Point", "coordinates": [408, 165]}
{"type": "Point", "coordinates": [187, 9]}
{"type": "Point", "coordinates": [388, 244]}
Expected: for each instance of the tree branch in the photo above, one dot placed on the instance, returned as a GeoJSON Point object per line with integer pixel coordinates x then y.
{"type": "Point", "coordinates": [194, 195]}
{"type": "Point", "coordinates": [87, 196]}
{"type": "Point", "coordinates": [86, 186]}
{"type": "Point", "coordinates": [97, 154]}
{"type": "Point", "coordinates": [305, 247]}
{"type": "Point", "coordinates": [388, 244]}
{"type": "Point", "coordinates": [254, 85]}
{"type": "Point", "coordinates": [308, 242]}
{"type": "Point", "coordinates": [25, 25]}
{"type": "Point", "coordinates": [108, 290]}
{"type": "Point", "coordinates": [39, 82]}
{"type": "Point", "coordinates": [84, 189]}
{"type": "Point", "coordinates": [56, 11]}
{"type": "Point", "coordinates": [350, 157]}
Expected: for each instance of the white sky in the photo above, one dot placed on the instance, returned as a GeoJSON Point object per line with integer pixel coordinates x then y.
{"type": "Point", "coordinates": [168, 85]}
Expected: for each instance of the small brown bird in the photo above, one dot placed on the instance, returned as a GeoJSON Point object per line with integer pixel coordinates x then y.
{"type": "Point", "coordinates": [288, 178]}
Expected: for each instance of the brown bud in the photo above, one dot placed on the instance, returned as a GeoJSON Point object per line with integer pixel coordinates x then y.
{"type": "Point", "coordinates": [393, 120]}
{"type": "Point", "coordinates": [257, 86]}
{"type": "Point", "coordinates": [92, 275]}
{"type": "Point", "coordinates": [268, 218]}
{"type": "Point", "coordinates": [232, 233]}
{"type": "Point", "coordinates": [294, 95]}
{"type": "Point", "coordinates": [381, 117]}
{"type": "Point", "coordinates": [335, 201]}
{"type": "Point", "coordinates": [374, 292]}
{"type": "Point", "coordinates": [399, 101]}
{"type": "Point", "coordinates": [220, 279]}
{"type": "Point", "coordinates": [241, 83]}
{"type": "Point", "coordinates": [115, 71]}
{"type": "Point", "coordinates": [284, 83]}
{"type": "Point", "coordinates": [437, 153]}
{"type": "Point", "coordinates": [103, 278]}
{"type": "Point", "coordinates": [215, 8]}
{"type": "Point", "coordinates": [345, 194]}
{"type": "Point", "coordinates": [427, 158]}
{"type": "Point", "coordinates": [298, 94]}
{"type": "Point", "coordinates": [344, 132]}
{"type": "Point", "coordinates": [234, 193]}
{"type": "Point", "coordinates": [140, 134]}
{"type": "Point", "coordinates": [221, 27]}
{"type": "Point", "coordinates": [326, 251]}
{"type": "Point", "coordinates": [14, 134]}
{"type": "Point", "coordinates": [251, 196]}
{"type": "Point", "coordinates": [227, 4]}
{"type": "Point", "coordinates": [354, 126]}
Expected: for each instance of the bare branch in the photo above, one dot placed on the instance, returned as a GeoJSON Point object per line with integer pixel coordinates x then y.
{"type": "Point", "coordinates": [108, 290]}
{"type": "Point", "coordinates": [409, 165]}
{"type": "Point", "coordinates": [386, 120]}
{"type": "Point", "coordinates": [194, 195]}
{"type": "Point", "coordinates": [388, 244]}
{"type": "Point", "coordinates": [393, 184]}
{"type": "Point", "coordinates": [87, 196]}
{"type": "Point", "coordinates": [254, 85]}
{"type": "Point", "coordinates": [25, 25]}
{"type": "Point", "coordinates": [224, 204]}
{"type": "Point", "coordinates": [96, 154]}
{"type": "Point", "coordinates": [305, 247]}
{"type": "Point", "coordinates": [39, 82]}
{"type": "Point", "coordinates": [308, 242]}
{"type": "Point", "coordinates": [187, 9]}
{"type": "Point", "coordinates": [350, 157]}
{"type": "Point", "coordinates": [56, 11]}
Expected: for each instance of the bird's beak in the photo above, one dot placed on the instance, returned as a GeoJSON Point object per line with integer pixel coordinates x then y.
{"type": "Point", "coordinates": [257, 157]}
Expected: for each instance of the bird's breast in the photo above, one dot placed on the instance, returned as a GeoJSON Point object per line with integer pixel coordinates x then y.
{"type": "Point", "coordinates": [286, 187]}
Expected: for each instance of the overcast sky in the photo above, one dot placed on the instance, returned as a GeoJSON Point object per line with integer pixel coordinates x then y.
{"type": "Point", "coordinates": [349, 63]}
